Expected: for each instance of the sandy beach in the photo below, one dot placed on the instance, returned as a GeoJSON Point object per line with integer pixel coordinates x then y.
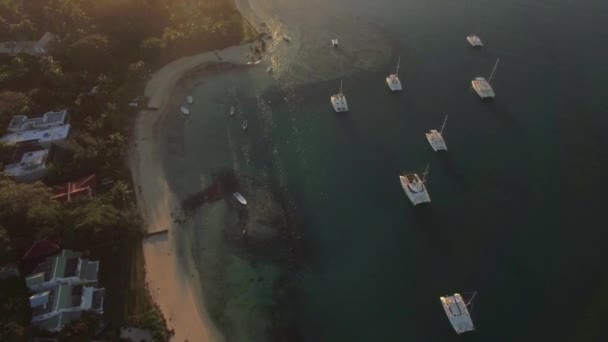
{"type": "Point", "coordinates": [173, 287]}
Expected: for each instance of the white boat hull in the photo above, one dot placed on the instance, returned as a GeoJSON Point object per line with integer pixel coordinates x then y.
{"type": "Point", "coordinates": [339, 103]}
{"type": "Point", "coordinates": [436, 140]}
{"type": "Point", "coordinates": [416, 196]}
{"type": "Point", "coordinates": [240, 198]}
{"type": "Point", "coordinates": [394, 83]}
{"type": "Point", "coordinates": [184, 110]}
{"type": "Point", "coordinates": [475, 41]}
{"type": "Point", "coordinates": [483, 88]}
{"type": "Point", "coordinates": [189, 99]}
{"type": "Point", "coordinates": [458, 314]}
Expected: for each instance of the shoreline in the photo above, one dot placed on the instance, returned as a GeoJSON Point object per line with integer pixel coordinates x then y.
{"type": "Point", "coordinates": [175, 292]}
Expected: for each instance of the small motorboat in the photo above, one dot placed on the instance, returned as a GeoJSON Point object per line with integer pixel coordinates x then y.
{"type": "Point", "coordinates": [334, 42]}
{"type": "Point", "coordinates": [244, 125]}
{"type": "Point", "coordinates": [184, 110]}
{"type": "Point", "coordinates": [232, 110]}
{"type": "Point", "coordinates": [240, 198]}
{"type": "Point", "coordinates": [269, 69]}
{"type": "Point", "coordinates": [258, 61]}
{"type": "Point", "coordinates": [189, 99]}
{"type": "Point", "coordinates": [286, 38]}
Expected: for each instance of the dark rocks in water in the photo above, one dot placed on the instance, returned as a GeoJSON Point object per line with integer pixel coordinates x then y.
{"type": "Point", "coordinates": [224, 184]}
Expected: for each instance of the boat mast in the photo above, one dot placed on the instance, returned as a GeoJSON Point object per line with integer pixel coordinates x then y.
{"type": "Point", "coordinates": [398, 62]}
{"type": "Point", "coordinates": [426, 171]}
{"type": "Point", "coordinates": [493, 71]}
{"type": "Point", "coordinates": [472, 297]}
{"type": "Point", "coordinates": [443, 126]}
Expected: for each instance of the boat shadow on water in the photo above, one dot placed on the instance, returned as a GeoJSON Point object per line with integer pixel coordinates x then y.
{"type": "Point", "coordinates": [453, 171]}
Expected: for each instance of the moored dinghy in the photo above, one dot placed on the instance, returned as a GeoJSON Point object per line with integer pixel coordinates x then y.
{"type": "Point", "coordinates": [244, 125]}
{"type": "Point", "coordinates": [184, 110]}
{"type": "Point", "coordinates": [334, 42]}
{"type": "Point", "coordinates": [458, 313]}
{"type": "Point", "coordinates": [240, 198]}
{"type": "Point", "coordinates": [189, 99]}
{"type": "Point", "coordinates": [232, 110]}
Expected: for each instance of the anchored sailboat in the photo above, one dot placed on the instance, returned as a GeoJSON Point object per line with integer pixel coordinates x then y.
{"type": "Point", "coordinates": [483, 87]}
{"type": "Point", "coordinates": [458, 313]}
{"type": "Point", "coordinates": [436, 138]}
{"type": "Point", "coordinates": [338, 101]}
{"type": "Point", "coordinates": [393, 80]}
{"type": "Point", "coordinates": [415, 188]}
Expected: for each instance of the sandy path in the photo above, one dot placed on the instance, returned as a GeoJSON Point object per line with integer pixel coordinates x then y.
{"type": "Point", "coordinates": [174, 288]}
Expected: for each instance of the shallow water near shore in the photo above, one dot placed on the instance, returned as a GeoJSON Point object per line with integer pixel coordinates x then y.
{"type": "Point", "coordinates": [516, 203]}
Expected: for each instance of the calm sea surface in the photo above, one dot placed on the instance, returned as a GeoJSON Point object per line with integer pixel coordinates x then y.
{"type": "Point", "coordinates": [518, 203]}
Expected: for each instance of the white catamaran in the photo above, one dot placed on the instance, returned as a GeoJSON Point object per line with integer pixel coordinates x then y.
{"type": "Point", "coordinates": [338, 101]}
{"type": "Point", "coordinates": [436, 138]}
{"type": "Point", "coordinates": [414, 187]}
{"type": "Point", "coordinates": [334, 42]}
{"type": "Point", "coordinates": [483, 87]}
{"type": "Point", "coordinates": [458, 313]}
{"type": "Point", "coordinates": [393, 80]}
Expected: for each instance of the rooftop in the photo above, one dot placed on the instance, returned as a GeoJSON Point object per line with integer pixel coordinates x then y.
{"type": "Point", "coordinates": [44, 135]}
{"type": "Point", "coordinates": [67, 264]}
{"type": "Point", "coordinates": [43, 303]}
{"type": "Point", "coordinates": [40, 248]}
{"type": "Point", "coordinates": [81, 187]}
{"type": "Point", "coordinates": [30, 163]}
{"type": "Point", "coordinates": [21, 123]}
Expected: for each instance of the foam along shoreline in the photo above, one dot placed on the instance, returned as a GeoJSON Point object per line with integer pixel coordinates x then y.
{"type": "Point", "coordinates": [174, 287]}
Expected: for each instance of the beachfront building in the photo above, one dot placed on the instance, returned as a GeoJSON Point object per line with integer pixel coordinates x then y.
{"type": "Point", "coordinates": [65, 268]}
{"type": "Point", "coordinates": [30, 47]}
{"type": "Point", "coordinates": [32, 139]}
{"type": "Point", "coordinates": [54, 308]}
{"type": "Point", "coordinates": [83, 187]}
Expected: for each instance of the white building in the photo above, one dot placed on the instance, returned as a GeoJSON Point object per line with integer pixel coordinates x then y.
{"type": "Point", "coordinates": [32, 166]}
{"type": "Point", "coordinates": [30, 47]}
{"type": "Point", "coordinates": [66, 268]}
{"type": "Point", "coordinates": [54, 308]}
{"type": "Point", "coordinates": [50, 128]}
{"type": "Point", "coordinates": [32, 139]}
